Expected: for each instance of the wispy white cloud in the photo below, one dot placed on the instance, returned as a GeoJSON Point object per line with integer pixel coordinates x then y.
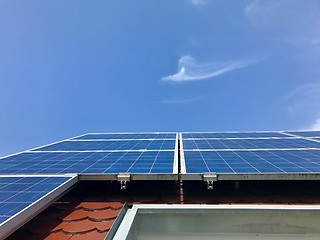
{"type": "Point", "coordinates": [198, 2]}
{"type": "Point", "coordinates": [179, 100]}
{"type": "Point", "coordinates": [190, 70]}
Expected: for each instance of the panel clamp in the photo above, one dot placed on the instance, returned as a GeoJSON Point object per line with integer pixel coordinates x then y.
{"type": "Point", "coordinates": [209, 178]}
{"type": "Point", "coordinates": [124, 179]}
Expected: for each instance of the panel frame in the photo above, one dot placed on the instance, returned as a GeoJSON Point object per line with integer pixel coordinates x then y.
{"type": "Point", "coordinates": [17, 220]}
{"type": "Point", "coordinates": [97, 133]}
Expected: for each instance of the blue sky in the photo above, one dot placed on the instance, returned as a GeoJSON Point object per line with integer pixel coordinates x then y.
{"type": "Point", "coordinates": [71, 67]}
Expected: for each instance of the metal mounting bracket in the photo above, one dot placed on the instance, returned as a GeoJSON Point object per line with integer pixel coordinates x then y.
{"type": "Point", "coordinates": [209, 178]}
{"type": "Point", "coordinates": [124, 179]}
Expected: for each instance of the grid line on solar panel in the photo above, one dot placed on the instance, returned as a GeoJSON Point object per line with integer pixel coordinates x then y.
{"type": "Point", "coordinates": [260, 161]}
{"type": "Point", "coordinates": [250, 144]}
{"type": "Point", "coordinates": [233, 135]}
{"type": "Point", "coordinates": [110, 145]}
{"type": "Point", "coordinates": [127, 136]}
{"type": "Point", "coordinates": [88, 162]}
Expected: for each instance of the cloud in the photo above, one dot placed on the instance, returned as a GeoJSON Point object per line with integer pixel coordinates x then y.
{"type": "Point", "coordinates": [179, 101]}
{"type": "Point", "coordinates": [198, 2]}
{"type": "Point", "coordinates": [190, 70]}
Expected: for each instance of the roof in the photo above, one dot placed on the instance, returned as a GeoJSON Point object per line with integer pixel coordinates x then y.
{"type": "Point", "coordinates": [92, 207]}
{"type": "Point", "coordinates": [89, 210]}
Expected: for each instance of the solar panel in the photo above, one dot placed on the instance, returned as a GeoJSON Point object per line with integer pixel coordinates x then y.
{"type": "Point", "coordinates": [89, 162]}
{"type": "Point", "coordinates": [261, 161]}
{"type": "Point", "coordinates": [243, 156]}
{"type": "Point", "coordinates": [22, 197]}
{"type": "Point", "coordinates": [101, 158]}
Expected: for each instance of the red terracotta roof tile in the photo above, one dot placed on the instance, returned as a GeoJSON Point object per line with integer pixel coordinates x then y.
{"type": "Point", "coordinates": [83, 226]}
{"type": "Point", "coordinates": [105, 214]}
{"type": "Point", "coordinates": [94, 235]}
{"type": "Point", "coordinates": [104, 226]}
{"type": "Point", "coordinates": [58, 236]}
{"type": "Point", "coordinates": [76, 215]}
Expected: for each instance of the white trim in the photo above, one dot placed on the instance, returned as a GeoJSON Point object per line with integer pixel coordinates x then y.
{"type": "Point", "coordinates": [255, 176]}
{"type": "Point", "coordinates": [99, 133]}
{"type": "Point", "coordinates": [126, 224]}
{"type": "Point", "coordinates": [137, 207]}
{"type": "Point", "coordinates": [118, 139]}
{"type": "Point", "coordinates": [39, 175]}
{"type": "Point", "coordinates": [175, 169]}
{"type": "Point", "coordinates": [258, 131]}
{"type": "Point", "coordinates": [182, 159]}
{"type": "Point", "coordinates": [96, 151]}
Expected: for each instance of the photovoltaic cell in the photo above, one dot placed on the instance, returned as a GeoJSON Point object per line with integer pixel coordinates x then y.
{"type": "Point", "coordinates": [250, 143]}
{"type": "Point", "coordinates": [89, 162]}
{"type": "Point", "coordinates": [110, 145]}
{"type": "Point", "coordinates": [17, 194]}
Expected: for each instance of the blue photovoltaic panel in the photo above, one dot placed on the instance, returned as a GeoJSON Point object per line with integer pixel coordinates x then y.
{"type": "Point", "coordinates": [306, 133]}
{"type": "Point", "coordinates": [18, 193]}
{"type": "Point", "coordinates": [260, 161]}
{"type": "Point", "coordinates": [128, 136]}
{"type": "Point", "coordinates": [233, 135]}
{"type": "Point", "coordinates": [251, 153]}
{"type": "Point", "coordinates": [110, 145]}
{"type": "Point", "coordinates": [250, 143]}
{"type": "Point", "coordinates": [89, 162]}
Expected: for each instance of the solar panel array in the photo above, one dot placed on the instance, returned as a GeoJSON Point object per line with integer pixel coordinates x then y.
{"type": "Point", "coordinates": [148, 156]}
{"type": "Point", "coordinates": [141, 153]}
{"type": "Point", "coordinates": [19, 193]}
{"type": "Point", "coordinates": [251, 153]}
